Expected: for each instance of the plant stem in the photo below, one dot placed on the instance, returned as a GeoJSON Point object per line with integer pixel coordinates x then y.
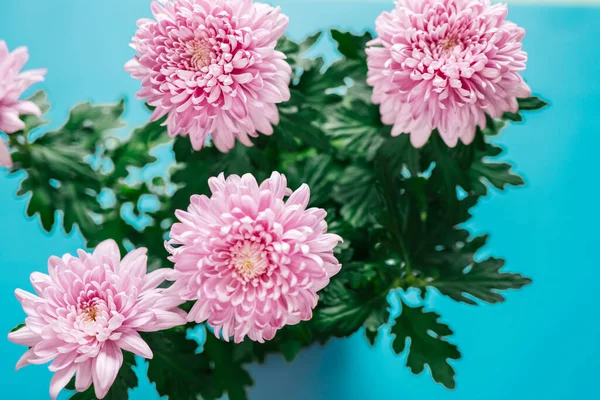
{"type": "Point", "coordinates": [405, 256]}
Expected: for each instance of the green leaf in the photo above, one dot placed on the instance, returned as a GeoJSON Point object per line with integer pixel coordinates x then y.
{"type": "Point", "coordinates": [459, 275]}
{"type": "Point", "coordinates": [498, 174]}
{"type": "Point", "coordinates": [450, 172]}
{"type": "Point", "coordinates": [292, 49]}
{"type": "Point", "coordinates": [309, 42]}
{"type": "Point", "coordinates": [528, 104]}
{"type": "Point", "coordinates": [357, 193]}
{"type": "Point", "coordinates": [493, 126]}
{"type": "Point", "coordinates": [513, 117]}
{"type": "Point", "coordinates": [40, 203]}
{"type": "Point", "coordinates": [296, 126]}
{"type": "Point", "coordinates": [288, 342]}
{"type": "Point", "coordinates": [351, 46]}
{"type": "Point", "coordinates": [176, 369]}
{"type": "Point", "coordinates": [287, 46]}
{"type": "Point", "coordinates": [342, 310]}
{"type": "Point", "coordinates": [51, 181]}
{"type": "Point", "coordinates": [290, 349]}
{"type": "Point", "coordinates": [229, 372]}
{"type": "Point", "coordinates": [315, 83]}
{"type": "Point", "coordinates": [198, 166]}
{"type": "Point", "coordinates": [59, 174]}
{"type": "Point", "coordinates": [378, 318]}
{"type": "Point", "coordinates": [400, 217]}
{"type": "Point", "coordinates": [294, 53]}
{"type": "Point", "coordinates": [531, 104]}
{"type": "Point", "coordinates": [135, 152]}
{"type": "Point", "coordinates": [320, 86]}
{"type": "Point", "coordinates": [356, 130]}
{"type": "Point", "coordinates": [427, 344]}
{"type": "Point", "coordinates": [467, 167]}
{"type": "Point", "coordinates": [16, 328]}
{"type": "Point", "coordinates": [337, 73]}
{"type": "Point", "coordinates": [481, 281]}
{"type": "Point", "coordinates": [88, 123]}
{"type": "Point", "coordinates": [399, 153]}
{"type": "Point", "coordinates": [318, 172]}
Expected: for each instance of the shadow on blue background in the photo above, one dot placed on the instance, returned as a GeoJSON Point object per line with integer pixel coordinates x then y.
{"type": "Point", "coordinates": [542, 343]}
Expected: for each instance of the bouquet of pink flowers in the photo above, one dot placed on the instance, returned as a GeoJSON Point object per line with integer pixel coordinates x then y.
{"type": "Point", "coordinates": [302, 195]}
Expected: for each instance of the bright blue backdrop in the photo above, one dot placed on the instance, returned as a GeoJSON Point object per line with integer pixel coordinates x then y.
{"type": "Point", "coordinates": [542, 343]}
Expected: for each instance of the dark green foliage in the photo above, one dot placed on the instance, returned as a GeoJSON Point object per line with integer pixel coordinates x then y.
{"type": "Point", "coordinates": [356, 191]}
{"type": "Point", "coordinates": [135, 153]}
{"type": "Point", "coordinates": [16, 328]}
{"type": "Point", "coordinates": [344, 310]}
{"type": "Point", "coordinates": [399, 210]}
{"type": "Point", "coordinates": [229, 373]}
{"type": "Point", "coordinates": [182, 373]}
{"type": "Point", "coordinates": [427, 344]}
{"type": "Point", "coordinates": [350, 45]}
{"type": "Point", "coordinates": [460, 274]}
{"type": "Point", "coordinates": [356, 130]}
{"type": "Point", "coordinates": [59, 178]}
{"type": "Point", "coordinates": [177, 370]}
{"type": "Point", "coordinates": [531, 104]}
{"type": "Point", "coordinates": [319, 173]}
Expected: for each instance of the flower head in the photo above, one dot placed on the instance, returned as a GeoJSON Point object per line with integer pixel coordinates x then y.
{"type": "Point", "coordinates": [252, 261]}
{"type": "Point", "coordinates": [13, 83]}
{"type": "Point", "coordinates": [444, 64]}
{"type": "Point", "coordinates": [212, 67]}
{"type": "Point", "coordinates": [88, 309]}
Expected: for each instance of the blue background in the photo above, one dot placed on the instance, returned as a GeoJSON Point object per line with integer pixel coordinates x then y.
{"type": "Point", "coordinates": [542, 343]}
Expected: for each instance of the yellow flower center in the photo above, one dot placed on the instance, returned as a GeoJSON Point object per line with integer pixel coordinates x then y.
{"type": "Point", "coordinates": [249, 260]}
{"type": "Point", "coordinates": [449, 43]}
{"type": "Point", "coordinates": [90, 314]}
{"type": "Point", "coordinates": [199, 51]}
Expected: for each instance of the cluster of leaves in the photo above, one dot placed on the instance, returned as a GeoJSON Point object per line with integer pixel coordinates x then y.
{"type": "Point", "coordinates": [399, 210]}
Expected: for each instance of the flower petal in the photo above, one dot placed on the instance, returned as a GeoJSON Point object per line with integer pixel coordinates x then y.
{"type": "Point", "coordinates": [83, 377]}
{"type": "Point", "coordinates": [60, 380]}
{"type": "Point", "coordinates": [132, 341]}
{"type": "Point", "coordinates": [105, 368]}
{"type": "Point", "coordinates": [5, 158]}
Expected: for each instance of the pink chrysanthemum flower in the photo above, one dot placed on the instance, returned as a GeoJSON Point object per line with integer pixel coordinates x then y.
{"type": "Point", "coordinates": [211, 65]}
{"type": "Point", "coordinates": [13, 83]}
{"type": "Point", "coordinates": [444, 64]}
{"type": "Point", "coordinates": [253, 262]}
{"type": "Point", "coordinates": [88, 309]}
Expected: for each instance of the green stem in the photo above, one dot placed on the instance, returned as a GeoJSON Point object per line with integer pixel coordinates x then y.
{"type": "Point", "coordinates": [398, 236]}
{"type": "Point", "coordinates": [407, 265]}
{"type": "Point", "coordinates": [397, 219]}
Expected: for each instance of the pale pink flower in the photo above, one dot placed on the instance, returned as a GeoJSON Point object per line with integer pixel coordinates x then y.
{"type": "Point", "coordinates": [253, 262]}
{"type": "Point", "coordinates": [212, 67]}
{"type": "Point", "coordinates": [88, 309]}
{"type": "Point", "coordinates": [13, 83]}
{"type": "Point", "coordinates": [444, 64]}
{"type": "Point", "coordinates": [5, 157]}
